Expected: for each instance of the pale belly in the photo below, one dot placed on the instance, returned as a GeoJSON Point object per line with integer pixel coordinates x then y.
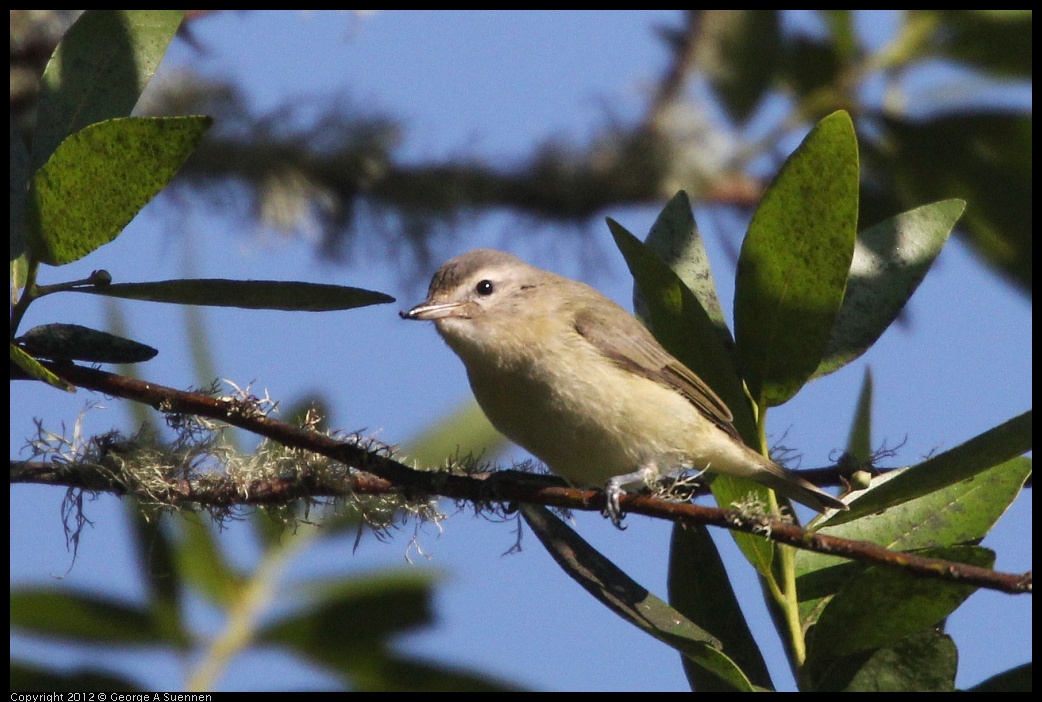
{"type": "Point", "coordinates": [607, 424]}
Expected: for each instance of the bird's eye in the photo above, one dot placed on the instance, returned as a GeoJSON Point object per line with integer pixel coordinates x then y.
{"type": "Point", "coordinates": [485, 287]}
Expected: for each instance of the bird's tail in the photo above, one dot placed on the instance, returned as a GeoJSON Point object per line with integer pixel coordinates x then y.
{"type": "Point", "coordinates": [796, 488]}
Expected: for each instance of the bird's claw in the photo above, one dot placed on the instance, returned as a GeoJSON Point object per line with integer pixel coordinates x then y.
{"type": "Point", "coordinates": [613, 493]}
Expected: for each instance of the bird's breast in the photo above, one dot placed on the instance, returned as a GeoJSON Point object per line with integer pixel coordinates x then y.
{"type": "Point", "coordinates": [585, 417]}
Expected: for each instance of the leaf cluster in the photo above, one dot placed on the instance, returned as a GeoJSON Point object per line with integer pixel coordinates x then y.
{"type": "Point", "coordinates": [812, 294]}
{"type": "Point", "coordinates": [90, 169]}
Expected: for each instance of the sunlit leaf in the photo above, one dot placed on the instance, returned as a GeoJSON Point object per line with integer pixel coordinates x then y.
{"type": "Point", "coordinates": [994, 447]}
{"type": "Point", "coordinates": [795, 261]}
{"type": "Point", "coordinates": [859, 445]}
{"type": "Point", "coordinates": [963, 511]}
{"type": "Point", "coordinates": [98, 179]}
{"type": "Point", "coordinates": [98, 71]}
{"type": "Point", "coordinates": [890, 260]}
{"type": "Point", "coordinates": [674, 238]}
{"type": "Point", "coordinates": [33, 369]}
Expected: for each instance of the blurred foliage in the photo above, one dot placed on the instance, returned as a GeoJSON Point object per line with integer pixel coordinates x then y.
{"type": "Point", "coordinates": [344, 625]}
{"type": "Point", "coordinates": [342, 174]}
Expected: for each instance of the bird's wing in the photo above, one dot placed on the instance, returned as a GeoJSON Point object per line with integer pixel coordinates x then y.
{"type": "Point", "coordinates": [635, 349]}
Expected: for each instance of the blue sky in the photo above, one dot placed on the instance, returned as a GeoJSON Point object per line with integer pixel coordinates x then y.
{"type": "Point", "coordinates": [491, 84]}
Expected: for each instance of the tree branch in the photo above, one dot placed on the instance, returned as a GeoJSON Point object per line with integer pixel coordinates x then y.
{"type": "Point", "coordinates": [379, 473]}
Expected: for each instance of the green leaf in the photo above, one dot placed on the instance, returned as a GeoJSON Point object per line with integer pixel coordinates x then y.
{"type": "Point", "coordinates": [19, 214]}
{"type": "Point", "coordinates": [18, 186]}
{"type": "Point", "coordinates": [270, 530]}
{"type": "Point", "coordinates": [19, 272]}
{"type": "Point", "coordinates": [27, 677]}
{"type": "Point", "coordinates": [994, 447]}
{"type": "Point", "coordinates": [700, 589]}
{"type": "Point", "coordinates": [923, 662]}
{"type": "Point", "coordinates": [859, 445]}
{"type": "Point", "coordinates": [346, 625]}
{"type": "Point", "coordinates": [958, 513]}
{"type": "Point", "coordinates": [739, 52]}
{"type": "Point", "coordinates": [203, 566]}
{"type": "Point", "coordinates": [674, 238]}
{"type": "Point", "coordinates": [982, 158]}
{"type": "Point", "coordinates": [347, 617]}
{"type": "Point", "coordinates": [81, 617]}
{"type": "Point", "coordinates": [245, 294]}
{"type": "Point", "coordinates": [810, 68]}
{"type": "Point", "coordinates": [619, 593]}
{"type": "Point", "coordinates": [997, 41]}
{"type": "Point", "coordinates": [72, 342]}
{"type": "Point", "coordinates": [383, 671]}
{"type": "Point", "coordinates": [162, 578]}
{"type": "Point", "coordinates": [963, 511]}
{"type": "Point", "coordinates": [883, 605]}
{"type": "Point", "coordinates": [99, 178]}
{"type": "Point", "coordinates": [98, 71]}
{"type": "Point", "coordinates": [792, 271]}
{"type": "Point", "coordinates": [464, 432]}
{"type": "Point", "coordinates": [890, 260]}
{"type": "Point", "coordinates": [33, 368]}
{"type": "Point", "coordinates": [844, 34]}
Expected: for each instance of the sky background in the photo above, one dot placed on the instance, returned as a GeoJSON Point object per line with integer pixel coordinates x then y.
{"type": "Point", "coordinates": [490, 84]}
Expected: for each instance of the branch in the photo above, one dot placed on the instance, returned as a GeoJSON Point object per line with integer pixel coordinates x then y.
{"type": "Point", "coordinates": [382, 474]}
{"type": "Point", "coordinates": [670, 89]}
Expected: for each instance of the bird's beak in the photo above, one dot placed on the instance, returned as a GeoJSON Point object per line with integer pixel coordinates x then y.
{"type": "Point", "coordinates": [433, 310]}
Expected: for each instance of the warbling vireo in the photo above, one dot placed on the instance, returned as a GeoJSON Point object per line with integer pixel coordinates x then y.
{"type": "Point", "coordinates": [581, 384]}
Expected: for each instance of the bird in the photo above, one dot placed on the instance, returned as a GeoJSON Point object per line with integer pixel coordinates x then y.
{"type": "Point", "coordinates": [582, 385]}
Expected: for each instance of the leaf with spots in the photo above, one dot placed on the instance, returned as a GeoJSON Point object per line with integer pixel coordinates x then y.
{"type": "Point", "coordinates": [792, 271]}
{"type": "Point", "coordinates": [99, 178]}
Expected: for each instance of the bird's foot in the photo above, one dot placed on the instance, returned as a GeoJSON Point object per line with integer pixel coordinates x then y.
{"type": "Point", "coordinates": [613, 492]}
